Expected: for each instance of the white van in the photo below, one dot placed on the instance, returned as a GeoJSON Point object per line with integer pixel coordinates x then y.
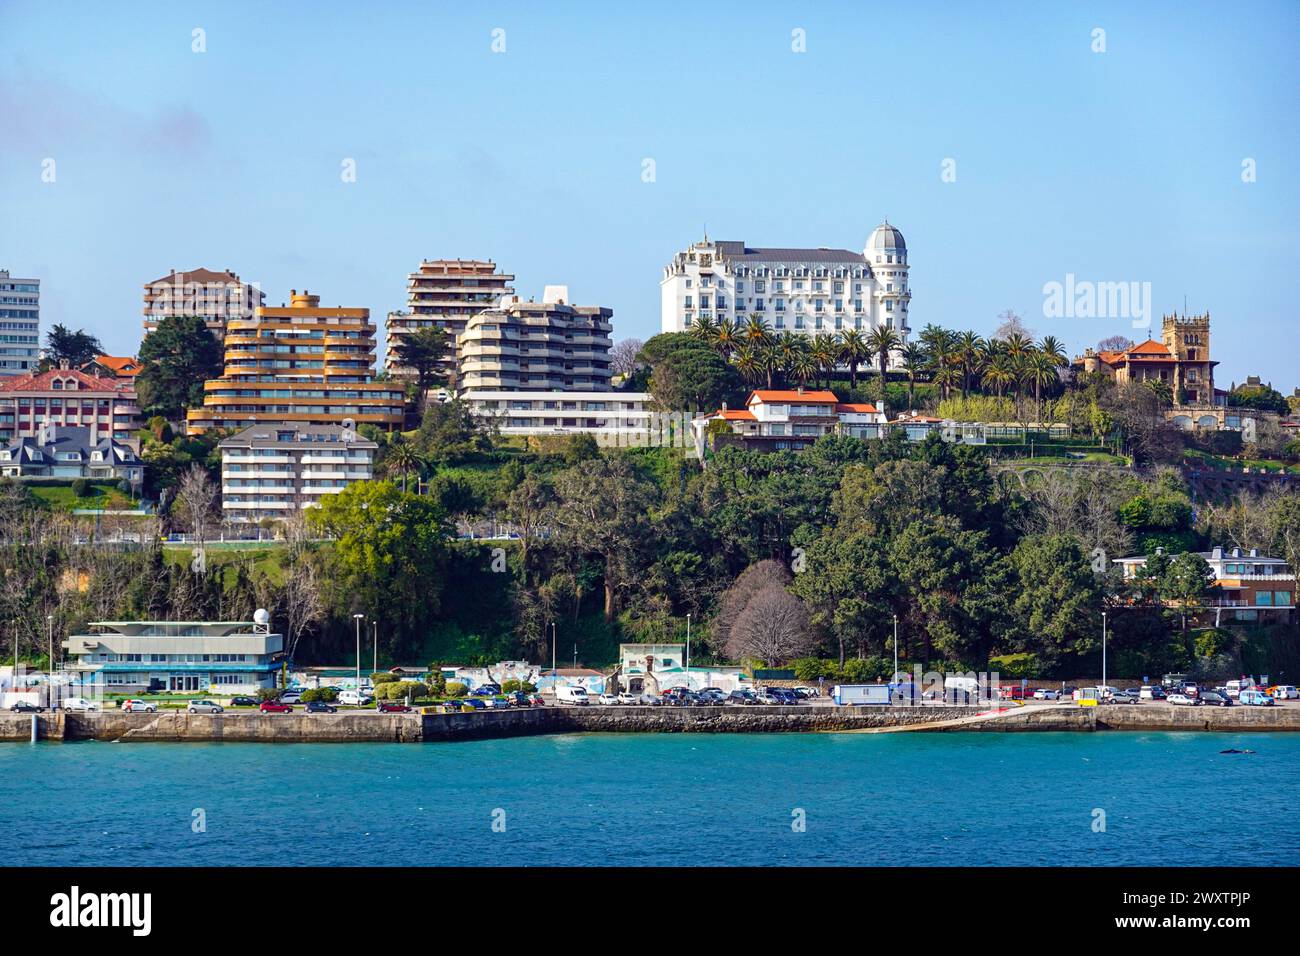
{"type": "Point", "coordinates": [1235, 687]}
{"type": "Point", "coordinates": [355, 698]}
{"type": "Point", "coordinates": [565, 694]}
{"type": "Point", "coordinates": [78, 705]}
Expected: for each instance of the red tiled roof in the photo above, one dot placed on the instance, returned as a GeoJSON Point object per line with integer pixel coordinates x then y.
{"type": "Point", "coordinates": [124, 365]}
{"type": "Point", "coordinates": [736, 415]}
{"type": "Point", "coordinates": [196, 275]}
{"type": "Point", "coordinates": [41, 382]}
{"type": "Point", "coordinates": [1149, 347]}
{"type": "Point", "coordinates": [790, 395]}
{"type": "Point", "coordinates": [856, 407]}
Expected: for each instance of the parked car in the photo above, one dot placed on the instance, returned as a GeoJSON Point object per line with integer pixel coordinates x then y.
{"type": "Point", "coordinates": [517, 698]}
{"type": "Point", "coordinates": [1046, 693]}
{"type": "Point", "coordinates": [807, 693]}
{"type": "Point", "coordinates": [571, 694]}
{"type": "Point", "coordinates": [486, 690]}
{"type": "Point", "coordinates": [1132, 693]}
{"type": "Point", "coordinates": [1182, 700]}
{"type": "Point", "coordinates": [320, 707]}
{"type": "Point", "coordinates": [137, 706]}
{"type": "Point", "coordinates": [608, 700]}
{"type": "Point", "coordinates": [1256, 698]}
{"type": "Point", "coordinates": [650, 700]}
{"type": "Point", "coordinates": [1212, 698]}
{"type": "Point", "coordinates": [204, 707]}
{"type": "Point", "coordinates": [1189, 689]}
{"type": "Point", "coordinates": [1283, 692]}
{"type": "Point", "coordinates": [291, 697]}
{"type": "Point", "coordinates": [355, 697]}
{"type": "Point", "coordinates": [1147, 692]}
{"type": "Point", "coordinates": [22, 707]}
{"type": "Point", "coordinates": [78, 705]}
{"type": "Point", "coordinates": [241, 700]}
{"type": "Point", "coordinates": [786, 695]}
{"type": "Point", "coordinates": [393, 707]}
{"type": "Point", "coordinates": [536, 700]}
{"type": "Point", "coordinates": [474, 703]}
{"type": "Point", "coordinates": [712, 697]}
{"type": "Point", "coordinates": [629, 698]}
{"type": "Point", "coordinates": [275, 707]}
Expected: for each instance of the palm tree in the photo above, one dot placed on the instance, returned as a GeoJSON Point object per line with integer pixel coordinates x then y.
{"type": "Point", "coordinates": [705, 329]}
{"type": "Point", "coordinates": [805, 366]}
{"type": "Point", "coordinates": [825, 353]}
{"type": "Point", "coordinates": [756, 331]}
{"type": "Point", "coordinates": [913, 362]}
{"type": "Point", "coordinates": [998, 372]}
{"type": "Point", "coordinates": [947, 376]}
{"type": "Point", "coordinates": [726, 338]}
{"type": "Point", "coordinates": [881, 342]}
{"type": "Point", "coordinates": [747, 364]}
{"type": "Point", "coordinates": [403, 459]}
{"type": "Point", "coordinates": [1054, 349]}
{"type": "Point", "coordinates": [787, 347]}
{"type": "Point", "coordinates": [969, 348]}
{"type": "Point", "coordinates": [1040, 370]}
{"type": "Point", "coordinates": [852, 352]}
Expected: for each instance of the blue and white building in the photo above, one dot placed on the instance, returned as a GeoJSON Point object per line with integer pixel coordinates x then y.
{"type": "Point", "coordinates": [131, 657]}
{"type": "Point", "coordinates": [20, 324]}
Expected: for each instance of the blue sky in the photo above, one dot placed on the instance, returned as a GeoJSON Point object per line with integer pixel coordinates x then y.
{"type": "Point", "coordinates": [1117, 166]}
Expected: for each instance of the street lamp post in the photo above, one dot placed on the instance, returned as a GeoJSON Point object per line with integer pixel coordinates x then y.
{"type": "Point", "coordinates": [688, 650]}
{"type": "Point", "coordinates": [895, 677]}
{"type": "Point", "coordinates": [358, 618]}
{"type": "Point", "coordinates": [375, 625]}
{"type": "Point", "coordinates": [1103, 649]}
{"type": "Point", "coordinates": [555, 675]}
{"type": "Point", "coordinates": [49, 623]}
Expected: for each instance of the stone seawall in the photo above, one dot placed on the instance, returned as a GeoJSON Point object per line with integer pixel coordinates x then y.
{"type": "Point", "coordinates": [357, 726]}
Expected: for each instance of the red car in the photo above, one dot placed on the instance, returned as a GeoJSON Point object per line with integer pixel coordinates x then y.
{"type": "Point", "coordinates": [393, 707]}
{"type": "Point", "coordinates": [275, 707]}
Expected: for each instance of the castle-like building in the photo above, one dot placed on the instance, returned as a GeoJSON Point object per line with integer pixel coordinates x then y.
{"type": "Point", "coordinates": [1181, 359]}
{"type": "Point", "coordinates": [805, 291]}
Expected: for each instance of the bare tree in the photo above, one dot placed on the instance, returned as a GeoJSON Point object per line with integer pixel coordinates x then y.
{"type": "Point", "coordinates": [1009, 324]}
{"type": "Point", "coordinates": [198, 501]}
{"type": "Point", "coordinates": [1115, 343]}
{"type": "Point", "coordinates": [622, 357]}
{"type": "Point", "coordinates": [774, 628]}
{"type": "Point", "coordinates": [301, 602]}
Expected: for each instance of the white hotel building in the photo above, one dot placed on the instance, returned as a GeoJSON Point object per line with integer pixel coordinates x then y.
{"type": "Point", "coordinates": [614, 418]}
{"type": "Point", "coordinates": [807, 291]}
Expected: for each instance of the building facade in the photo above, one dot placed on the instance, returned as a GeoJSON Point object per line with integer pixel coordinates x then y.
{"type": "Point", "coordinates": [20, 324]}
{"type": "Point", "coordinates": [1180, 360]}
{"type": "Point", "coordinates": [216, 297]}
{"type": "Point", "coordinates": [62, 452]}
{"type": "Point", "coordinates": [444, 294]}
{"type": "Point", "coordinates": [807, 291]}
{"type": "Point", "coordinates": [66, 397]}
{"type": "Point", "coordinates": [536, 346]}
{"type": "Point", "coordinates": [1248, 585]}
{"type": "Point", "coordinates": [131, 657]}
{"type": "Point", "coordinates": [274, 470]}
{"type": "Point", "coordinates": [609, 415]}
{"type": "Point", "coordinates": [790, 419]}
{"type": "Point", "coordinates": [299, 363]}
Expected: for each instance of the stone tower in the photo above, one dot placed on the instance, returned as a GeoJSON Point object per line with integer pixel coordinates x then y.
{"type": "Point", "coordinates": [1188, 339]}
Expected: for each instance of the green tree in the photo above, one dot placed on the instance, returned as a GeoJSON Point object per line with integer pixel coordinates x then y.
{"type": "Point", "coordinates": [74, 347]}
{"type": "Point", "coordinates": [175, 360]}
{"type": "Point", "coordinates": [423, 351]}
{"type": "Point", "coordinates": [1059, 599]}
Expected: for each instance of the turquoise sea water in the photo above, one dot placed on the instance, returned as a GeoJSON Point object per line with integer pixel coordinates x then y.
{"type": "Point", "coordinates": [888, 799]}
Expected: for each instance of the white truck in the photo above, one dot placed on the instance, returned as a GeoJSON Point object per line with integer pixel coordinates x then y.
{"type": "Point", "coordinates": [566, 694]}
{"type": "Point", "coordinates": [854, 695]}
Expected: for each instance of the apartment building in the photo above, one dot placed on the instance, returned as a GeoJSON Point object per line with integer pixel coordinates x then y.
{"type": "Point", "coordinates": [68, 397]}
{"type": "Point", "coordinates": [537, 346]}
{"type": "Point", "coordinates": [301, 363]}
{"type": "Point", "coordinates": [274, 470]}
{"type": "Point", "coordinates": [132, 657]}
{"type": "Point", "coordinates": [1247, 583]}
{"type": "Point", "coordinates": [20, 324]}
{"type": "Point", "coordinates": [806, 291]}
{"type": "Point", "coordinates": [618, 417]}
{"type": "Point", "coordinates": [217, 297]}
{"type": "Point", "coordinates": [444, 294]}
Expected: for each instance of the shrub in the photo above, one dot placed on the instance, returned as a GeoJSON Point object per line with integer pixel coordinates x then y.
{"type": "Point", "coordinates": [455, 689]}
{"type": "Point", "coordinates": [438, 682]}
{"type": "Point", "coordinates": [81, 488]}
{"type": "Point", "coordinates": [325, 694]}
{"type": "Point", "coordinates": [382, 678]}
{"type": "Point", "coordinates": [268, 693]}
{"type": "Point", "coordinates": [1017, 665]}
{"type": "Point", "coordinates": [510, 686]}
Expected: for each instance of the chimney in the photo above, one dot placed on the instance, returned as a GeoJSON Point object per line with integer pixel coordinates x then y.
{"type": "Point", "coordinates": [1216, 554]}
{"type": "Point", "coordinates": [1236, 552]}
{"type": "Point", "coordinates": [1160, 551]}
{"type": "Point", "coordinates": [1254, 552]}
{"type": "Point", "coordinates": [800, 390]}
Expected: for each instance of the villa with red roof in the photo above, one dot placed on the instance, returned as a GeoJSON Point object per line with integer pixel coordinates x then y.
{"type": "Point", "coordinates": [791, 419]}
{"type": "Point", "coordinates": [68, 398]}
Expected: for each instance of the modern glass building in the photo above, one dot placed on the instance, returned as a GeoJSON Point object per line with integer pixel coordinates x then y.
{"type": "Point", "coordinates": [20, 324]}
{"type": "Point", "coordinates": [231, 657]}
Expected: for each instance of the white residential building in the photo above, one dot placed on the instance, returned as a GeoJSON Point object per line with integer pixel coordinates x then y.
{"type": "Point", "coordinates": [808, 291]}
{"type": "Point", "coordinates": [216, 297]}
{"type": "Point", "coordinates": [545, 346]}
{"type": "Point", "coordinates": [273, 470]}
{"type": "Point", "coordinates": [20, 324]}
{"type": "Point", "coordinates": [616, 417]}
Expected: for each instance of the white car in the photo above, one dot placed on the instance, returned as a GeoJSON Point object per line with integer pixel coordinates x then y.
{"type": "Point", "coordinates": [1285, 692]}
{"type": "Point", "coordinates": [1146, 692]}
{"type": "Point", "coordinates": [607, 699]}
{"type": "Point", "coordinates": [135, 706]}
{"type": "Point", "coordinates": [79, 705]}
{"type": "Point", "coordinates": [204, 707]}
{"type": "Point", "coordinates": [1044, 694]}
{"type": "Point", "coordinates": [626, 698]}
{"type": "Point", "coordinates": [1181, 699]}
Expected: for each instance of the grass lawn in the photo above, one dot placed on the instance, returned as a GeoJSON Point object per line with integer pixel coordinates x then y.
{"type": "Point", "coordinates": [1236, 464]}
{"type": "Point", "coordinates": [102, 495]}
{"type": "Point", "coordinates": [264, 556]}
